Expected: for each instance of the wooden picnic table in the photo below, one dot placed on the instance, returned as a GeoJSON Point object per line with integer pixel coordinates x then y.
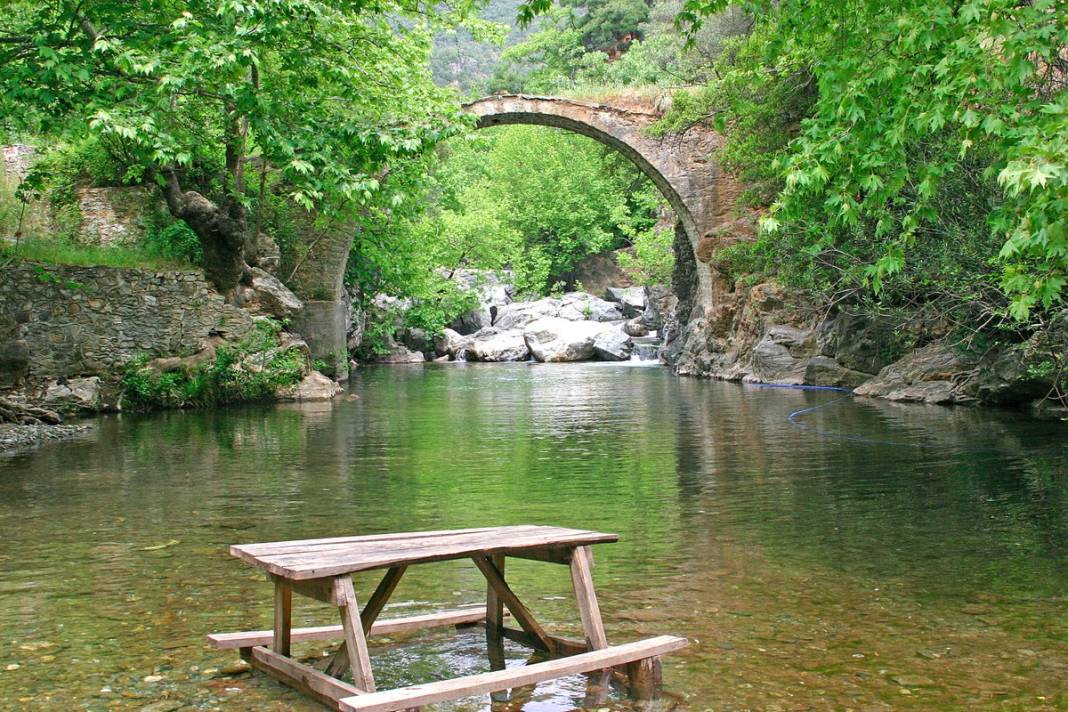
{"type": "Point", "coordinates": [322, 569]}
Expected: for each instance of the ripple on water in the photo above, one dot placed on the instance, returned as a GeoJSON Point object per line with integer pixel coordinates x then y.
{"type": "Point", "coordinates": [812, 569]}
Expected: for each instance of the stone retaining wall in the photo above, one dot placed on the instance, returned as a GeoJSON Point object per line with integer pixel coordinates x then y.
{"type": "Point", "coordinates": [73, 321]}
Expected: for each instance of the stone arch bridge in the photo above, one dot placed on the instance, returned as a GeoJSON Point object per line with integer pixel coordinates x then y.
{"type": "Point", "coordinates": [678, 163]}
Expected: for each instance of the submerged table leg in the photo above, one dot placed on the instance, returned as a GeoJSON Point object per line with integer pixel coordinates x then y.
{"type": "Point", "coordinates": [495, 619]}
{"type": "Point", "coordinates": [592, 625]}
{"type": "Point", "coordinates": [521, 613]}
{"type": "Point", "coordinates": [645, 677]}
{"type": "Point", "coordinates": [283, 616]}
{"type": "Point", "coordinates": [495, 629]}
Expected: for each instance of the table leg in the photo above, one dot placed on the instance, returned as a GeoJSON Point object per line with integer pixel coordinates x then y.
{"type": "Point", "coordinates": [586, 597]}
{"type": "Point", "coordinates": [340, 661]}
{"type": "Point", "coordinates": [355, 640]}
{"type": "Point", "coordinates": [495, 617]}
{"type": "Point", "coordinates": [283, 616]}
{"type": "Point", "coordinates": [495, 629]}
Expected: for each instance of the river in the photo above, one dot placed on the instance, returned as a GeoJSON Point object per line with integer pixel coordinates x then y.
{"type": "Point", "coordinates": [857, 555]}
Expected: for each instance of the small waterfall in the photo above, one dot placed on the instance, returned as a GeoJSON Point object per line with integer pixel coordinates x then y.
{"type": "Point", "coordinates": [646, 348]}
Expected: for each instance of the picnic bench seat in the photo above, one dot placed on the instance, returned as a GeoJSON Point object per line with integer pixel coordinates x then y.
{"type": "Point", "coordinates": [321, 569]}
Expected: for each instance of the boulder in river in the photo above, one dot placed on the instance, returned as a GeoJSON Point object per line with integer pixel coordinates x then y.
{"type": "Point", "coordinates": [74, 394]}
{"type": "Point", "coordinates": [554, 339]}
{"type": "Point", "coordinates": [612, 344]}
{"type": "Point", "coordinates": [454, 345]}
{"type": "Point", "coordinates": [493, 292]}
{"type": "Point", "coordinates": [635, 327]}
{"type": "Point", "coordinates": [491, 344]}
{"type": "Point", "coordinates": [314, 387]}
{"type": "Point", "coordinates": [518, 314]}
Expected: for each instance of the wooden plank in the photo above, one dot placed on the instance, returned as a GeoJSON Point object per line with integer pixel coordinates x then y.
{"type": "Point", "coordinates": [283, 616]}
{"type": "Point", "coordinates": [308, 680]}
{"type": "Point", "coordinates": [355, 640]}
{"type": "Point", "coordinates": [495, 626]}
{"type": "Point", "coordinates": [319, 589]}
{"type": "Point", "coordinates": [250, 638]}
{"type": "Point", "coordinates": [522, 614]}
{"type": "Point", "coordinates": [552, 555]}
{"type": "Point", "coordinates": [380, 597]}
{"type": "Point", "coordinates": [431, 693]}
{"type": "Point", "coordinates": [348, 557]}
{"type": "Point", "coordinates": [586, 597]}
{"type": "Point", "coordinates": [560, 646]}
{"type": "Point", "coordinates": [340, 660]}
{"type": "Point", "coordinates": [303, 544]}
{"type": "Point", "coordinates": [349, 554]}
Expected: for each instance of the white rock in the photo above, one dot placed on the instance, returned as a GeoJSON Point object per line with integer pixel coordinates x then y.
{"type": "Point", "coordinates": [631, 299]}
{"type": "Point", "coordinates": [314, 387]}
{"type": "Point", "coordinates": [519, 314]}
{"type": "Point", "coordinates": [81, 393]}
{"type": "Point", "coordinates": [273, 296]}
{"type": "Point", "coordinates": [580, 306]}
{"type": "Point", "coordinates": [454, 345]}
{"type": "Point", "coordinates": [496, 345]}
{"type": "Point", "coordinates": [613, 345]}
{"type": "Point", "coordinates": [555, 339]}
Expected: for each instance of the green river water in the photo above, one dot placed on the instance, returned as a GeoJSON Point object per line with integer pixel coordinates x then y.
{"type": "Point", "coordinates": [812, 568]}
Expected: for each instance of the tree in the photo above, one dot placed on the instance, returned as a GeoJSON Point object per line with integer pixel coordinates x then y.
{"type": "Point", "coordinates": [909, 93]}
{"type": "Point", "coordinates": [325, 93]}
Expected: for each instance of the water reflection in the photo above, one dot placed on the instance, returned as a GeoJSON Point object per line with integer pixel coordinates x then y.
{"type": "Point", "coordinates": [811, 572]}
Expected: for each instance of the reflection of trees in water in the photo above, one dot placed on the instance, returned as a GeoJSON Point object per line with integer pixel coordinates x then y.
{"type": "Point", "coordinates": [980, 504]}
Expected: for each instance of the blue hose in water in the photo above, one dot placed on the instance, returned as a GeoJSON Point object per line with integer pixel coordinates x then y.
{"type": "Point", "coordinates": [793, 419]}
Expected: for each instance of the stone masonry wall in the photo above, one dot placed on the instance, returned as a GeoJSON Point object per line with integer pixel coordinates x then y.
{"type": "Point", "coordinates": [75, 321]}
{"type": "Point", "coordinates": [114, 216]}
{"type": "Point", "coordinates": [15, 160]}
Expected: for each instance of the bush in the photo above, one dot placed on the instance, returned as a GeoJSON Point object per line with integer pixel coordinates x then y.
{"type": "Point", "coordinates": [254, 370]}
{"type": "Point", "coordinates": [652, 258]}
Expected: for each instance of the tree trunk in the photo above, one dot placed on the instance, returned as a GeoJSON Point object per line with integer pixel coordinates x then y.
{"type": "Point", "coordinates": [222, 230]}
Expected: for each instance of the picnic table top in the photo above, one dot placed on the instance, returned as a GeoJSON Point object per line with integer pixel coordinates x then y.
{"type": "Point", "coordinates": [319, 558]}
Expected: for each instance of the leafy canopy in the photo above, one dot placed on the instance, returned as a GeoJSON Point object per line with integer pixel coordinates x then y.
{"type": "Point", "coordinates": [899, 74]}
{"type": "Point", "coordinates": [326, 92]}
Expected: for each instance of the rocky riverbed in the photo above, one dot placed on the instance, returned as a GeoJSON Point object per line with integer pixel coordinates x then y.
{"type": "Point", "coordinates": [16, 437]}
{"type": "Point", "coordinates": [576, 326]}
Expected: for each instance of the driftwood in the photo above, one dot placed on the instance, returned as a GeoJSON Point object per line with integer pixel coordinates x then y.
{"type": "Point", "coordinates": [174, 363]}
{"type": "Point", "coordinates": [24, 414]}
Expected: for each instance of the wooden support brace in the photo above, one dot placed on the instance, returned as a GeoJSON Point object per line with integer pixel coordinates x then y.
{"type": "Point", "coordinates": [586, 597]}
{"type": "Point", "coordinates": [444, 690]}
{"type": "Point", "coordinates": [370, 614]}
{"type": "Point", "coordinates": [355, 640]}
{"type": "Point", "coordinates": [560, 646]}
{"type": "Point", "coordinates": [252, 638]}
{"type": "Point", "coordinates": [521, 613]}
{"type": "Point", "coordinates": [308, 680]}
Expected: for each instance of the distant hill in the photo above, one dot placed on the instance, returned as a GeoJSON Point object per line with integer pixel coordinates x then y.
{"type": "Point", "coordinates": [459, 61]}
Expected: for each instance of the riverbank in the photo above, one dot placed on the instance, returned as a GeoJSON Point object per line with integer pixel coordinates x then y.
{"type": "Point", "coordinates": [18, 437]}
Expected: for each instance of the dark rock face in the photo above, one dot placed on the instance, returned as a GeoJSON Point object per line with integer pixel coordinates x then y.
{"type": "Point", "coordinates": [764, 333]}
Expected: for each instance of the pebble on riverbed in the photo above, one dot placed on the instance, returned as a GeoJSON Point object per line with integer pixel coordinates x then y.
{"type": "Point", "coordinates": [18, 436]}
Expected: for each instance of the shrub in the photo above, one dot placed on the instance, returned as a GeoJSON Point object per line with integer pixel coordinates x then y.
{"type": "Point", "coordinates": [253, 370]}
